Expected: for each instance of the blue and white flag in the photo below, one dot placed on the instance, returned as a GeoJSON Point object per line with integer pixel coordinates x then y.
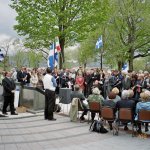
{"type": "Point", "coordinates": [99, 42]}
{"type": "Point", "coordinates": [1, 56]}
{"type": "Point", "coordinates": [53, 57]}
{"type": "Point", "coordinates": [125, 67]}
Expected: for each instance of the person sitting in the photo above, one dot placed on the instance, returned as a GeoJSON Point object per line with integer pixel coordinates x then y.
{"type": "Point", "coordinates": [131, 96]}
{"type": "Point", "coordinates": [78, 94]}
{"type": "Point", "coordinates": [95, 97]}
{"type": "Point", "coordinates": [116, 91]}
{"type": "Point", "coordinates": [125, 103]}
{"type": "Point", "coordinates": [110, 102]}
{"type": "Point", "coordinates": [144, 105]}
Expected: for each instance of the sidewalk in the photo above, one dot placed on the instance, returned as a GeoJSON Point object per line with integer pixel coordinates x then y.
{"type": "Point", "coordinates": [31, 132]}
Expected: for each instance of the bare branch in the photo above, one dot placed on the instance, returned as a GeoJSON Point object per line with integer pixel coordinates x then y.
{"type": "Point", "coordinates": [139, 46]}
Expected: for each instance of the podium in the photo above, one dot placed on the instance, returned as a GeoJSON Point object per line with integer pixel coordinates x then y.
{"type": "Point", "coordinates": [64, 94]}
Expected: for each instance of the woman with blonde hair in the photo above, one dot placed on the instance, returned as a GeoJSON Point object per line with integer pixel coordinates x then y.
{"type": "Point", "coordinates": [143, 105]}
{"type": "Point", "coordinates": [116, 91]}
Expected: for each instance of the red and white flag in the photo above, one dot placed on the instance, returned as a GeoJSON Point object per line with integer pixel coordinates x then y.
{"type": "Point", "coordinates": [58, 48]}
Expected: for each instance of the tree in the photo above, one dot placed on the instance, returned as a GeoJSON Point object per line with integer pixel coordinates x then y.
{"type": "Point", "coordinates": [34, 58]}
{"type": "Point", "coordinates": [5, 46]}
{"type": "Point", "coordinates": [41, 21]}
{"type": "Point", "coordinates": [142, 64]}
{"type": "Point", "coordinates": [131, 20]}
{"type": "Point", "coordinates": [126, 34]}
{"type": "Point", "coordinates": [87, 50]}
{"type": "Point", "coordinates": [19, 58]}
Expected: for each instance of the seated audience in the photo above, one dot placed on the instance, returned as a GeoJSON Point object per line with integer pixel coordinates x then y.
{"type": "Point", "coordinates": [116, 91]}
{"type": "Point", "coordinates": [110, 102]}
{"type": "Point", "coordinates": [78, 94]}
{"type": "Point", "coordinates": [143, 105]}
{"type": "Point", "coordinates": [131, 96]}
{"type": "Point", "coordinates": [95, 97]}
{"type": "Point", "coordinates": [125, 103]}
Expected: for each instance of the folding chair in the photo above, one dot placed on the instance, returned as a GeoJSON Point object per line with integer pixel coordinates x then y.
{"type": "Point", "coordinates": [107, 113]}
{"type": "Point", "coordinates": [144, 116]}
{"type": "Point", "coordinates": [95, 107]}
{"type": "Point", "coordinates": [126, 115]}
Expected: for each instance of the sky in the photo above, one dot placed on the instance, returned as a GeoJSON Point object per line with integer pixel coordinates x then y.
{"type": "Point", "coordinates": [7, 20]}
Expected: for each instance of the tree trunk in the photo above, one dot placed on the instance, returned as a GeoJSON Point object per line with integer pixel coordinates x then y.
{"type": "Point", "coordinates": [61, 56]}
{"type": "Point", "coordinates": [120, 63]}
{"type": "Point", "coordinates": [131, 59]}
{"type": "Point", "coordinates": [131, 64]}
{"type": "Point", "coordinates": [84, 65]}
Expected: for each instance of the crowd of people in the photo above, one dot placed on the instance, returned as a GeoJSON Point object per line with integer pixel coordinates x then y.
{"type": "Point", "coordinates": [111, 88]}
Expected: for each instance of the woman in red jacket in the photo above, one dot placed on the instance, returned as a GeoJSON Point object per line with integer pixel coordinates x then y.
{"type": "Point", "coordinates": [80, 81]}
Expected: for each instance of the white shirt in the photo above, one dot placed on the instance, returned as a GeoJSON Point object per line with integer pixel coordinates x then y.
{"type": "Point", "coordinates": [49, 82]}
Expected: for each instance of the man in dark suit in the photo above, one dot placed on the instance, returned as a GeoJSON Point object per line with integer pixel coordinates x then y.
{"type": "Point", "coordinates": [8, 93]}
{"type": "Point", "coordinates": [21, 76]}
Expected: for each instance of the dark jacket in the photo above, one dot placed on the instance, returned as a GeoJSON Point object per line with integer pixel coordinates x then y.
{"type": "Point", "coordinates": [125, 103]}
{"type": "Point", "coordinates": [111, 104]}
{"type": "Point", "coordinates": [20, 76]}
{"type": "Point", "coordinates": [77, 94]}
{"type": "Point", "coordinates": [8, 86]}
{"type": "Point", "coordinates": [127, 83]}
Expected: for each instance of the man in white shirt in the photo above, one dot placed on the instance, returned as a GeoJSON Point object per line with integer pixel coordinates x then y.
{"type": "Point", "coordinates": [49, 86]}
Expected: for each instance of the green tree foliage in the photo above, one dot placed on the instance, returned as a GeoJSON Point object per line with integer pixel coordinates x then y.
{"type": "Point", "coordinates": [131, 23]}
{"type": "Point", "coordinates": [19, 59]}
{"type": "Point", "coordinates": [28, 58]}
{"type": "Point", "coordinates": [87, 50]}
{"type": "Point", "coordinates": [40, 21]}
{"type": "Point", "coordinates": [142, 64]}
{"type": "Point", "coordinates": [34, 58]}
{"type": "Point", "coordinates": [125, 32]}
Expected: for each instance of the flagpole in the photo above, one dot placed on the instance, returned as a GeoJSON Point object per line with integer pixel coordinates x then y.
{"type": "Point", "coordinates": [101, 54]}
{"type": "Point", "coordinates": [102, 50]}
{"type": "Point", "coordinates": [101, 59]}
{"type": "Point", "coordinates": [58, 61]}
{"type": "Point", "coordinates": [54, 53]}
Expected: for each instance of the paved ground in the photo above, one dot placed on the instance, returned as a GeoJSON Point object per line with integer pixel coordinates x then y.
{"type": "Point", "coordinates": [32, 132]}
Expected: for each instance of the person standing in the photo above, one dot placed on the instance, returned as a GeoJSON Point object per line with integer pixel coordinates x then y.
{"type": "Point", "coordinates": [80, 81]}
{"type": "Point", "coordinates": [21, 76]}
{"type": "Point", "coordinates": [50, 85]}
{"type": "Point", "coordinates": [8, 93]}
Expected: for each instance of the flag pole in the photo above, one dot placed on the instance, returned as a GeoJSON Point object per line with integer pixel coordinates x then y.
{"type": "Point", "coordinates": [101, 59]}
{"type": "Point", "coordinates": [54, 53]}
{"type": "Point", "coordinates": [101, 54]}
{"type": "Point", "coordinates": [99, 44]}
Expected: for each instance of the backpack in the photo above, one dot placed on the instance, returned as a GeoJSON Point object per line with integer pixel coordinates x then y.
{"type": "Point", "coordinates": [57, 108]}
{"type": "Point", "coordinates": [97, 126]}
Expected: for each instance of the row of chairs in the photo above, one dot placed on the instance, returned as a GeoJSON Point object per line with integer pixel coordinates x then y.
{"type": "Point", "coordinates": [124, 114]}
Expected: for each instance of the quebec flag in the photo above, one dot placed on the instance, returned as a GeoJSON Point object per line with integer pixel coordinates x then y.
{"type": "Point", "coordinates": [1, 56]}
{"type": "Point", "coordinates": [53, 57]}
{"type": "Point", "coordinates": [125, 67]}
{"type": "Point", "coordinates": [99, 42]}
